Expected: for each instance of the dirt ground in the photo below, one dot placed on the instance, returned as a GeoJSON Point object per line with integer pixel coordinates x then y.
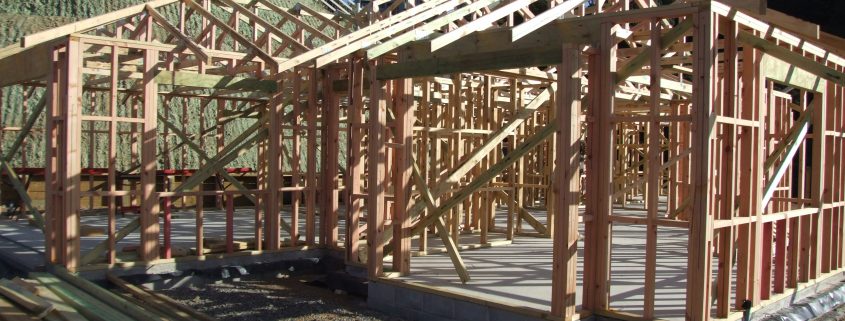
{"type": "Point", "coordinates": [266, 297]}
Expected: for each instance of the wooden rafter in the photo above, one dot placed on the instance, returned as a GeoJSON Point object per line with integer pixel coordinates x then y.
{"type": "Point", "coordinates": [321, 17]}
{"type": "Point", "coordinates": [481, 23]}
{"type": "Point", "coordinates": [292, 18]}
{"type": "Point", "coordinates": [426, 29]}
{"type": "Point", "coordinates": [183, 38]}
{"type": "Point", "coordinates": [309, 56]}
{"type": "Point", "coordinates": [251, 47]}
{"type": "Point", "coordinates": [263, 23]}
{"type": "Point", "coordinates": [544, 18]}
{"type": "Point", "coordinates": [87, 24]}
{"type": "Point", "coordinates": [365, 42]}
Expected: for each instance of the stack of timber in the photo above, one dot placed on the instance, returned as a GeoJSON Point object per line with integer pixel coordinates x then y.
{"type": "Point", "coordinates": [62, 296]}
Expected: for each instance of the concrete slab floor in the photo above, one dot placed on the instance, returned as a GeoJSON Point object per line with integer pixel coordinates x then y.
{"type": "Point", "coordinates": [520, 273]}
{"type": "Point", "coordinates": [183, 229]}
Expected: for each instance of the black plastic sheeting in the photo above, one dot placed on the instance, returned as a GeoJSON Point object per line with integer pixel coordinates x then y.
{"type": "Point", "coordinates": [809, 308]}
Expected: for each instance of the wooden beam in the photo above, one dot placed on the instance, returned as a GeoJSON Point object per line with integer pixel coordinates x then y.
{"type": "Point", "coordinates": [452, 250]}
{"type": "Point", "coordinates": [190, 79]}
{"type": "Point", "coordinates": [836, 43]}
{"type": "Point", "coordinates": [793, 24]}
{"type": "Point", "coordinates": [19, 187]}
{"type": "Point", "coordinates": [365, 42]}
{"type": "Point", "coordinates": [64, 311]}
{"type": "Point", "coordinates": [544, 18]}
{"type": "Point", "coordinates": [84, 303]}
{"type": "Point", "coordinates": [600, 140]}
{"type": "Point", "coordinates": [790, 145]}
{"type": "Point", "coordinates": [159, 302]}
{"type": "Point", "coordinates": [377, 177]}
{"type": "Point", "coordinates": [524, 214]}
{"type": "Point", "coordinates": [470, 161]}
{"type": "Point", "coordinates": [654, 158]}
{"type": "Point", "coordinates": [84, 25]}
{"type": "Point", "coordinates": [355, 36]}
{"type": "Point", "coordinates": [273, 163]}
{"type": "Point", "coordinates": [149, 249]}
{"type": "Point", "coordinates": [251, 46]}
{"type": "Point", "coordinates": [404, 163]}
{"type": "Point", "coordinates": [578, 30]}
{"type": "Point", "coordinates": [493, 49]}
{"type": "Point", "coordinates": [187, 41]}
{"type": "Point", "coordinates": [819, 169]}
{"type": "Point", "coordinates": [69, 161]}
{"type": "Point", "coordinates": [511, 58]}
{"type": "Point", "coordinates": [793, 58]}
{"type": "Point", "coordinates": [263, 23]}
{"type": "Point", "coordinates": [427, 29]}
{"type": "Point", "coordinates": [485, 177]}
{"type": "Point", "coordinates": [637, 63]}
{"type": "Point", "coordinates": [481, 23]}
{"type": "Point", "coordinates": [294, 19]}
{"type": "Point", "coordinates": [319, 16]}
{"type": "Point", "coordinates": [800, 43]}
{"type": "Point", "coordinates": [700, 240]}
{"type": "Point", "coordinates": [22, 297]}
{"type": "Point", "coordinates": [11, 312]}
{"type": "Point", "coordinates": [205, 158]}
{"type": "Point", "coordinates": [96, 253]}
{"type": "Point", "coordinates": [25, 131]}
{"type": "Point", "coordinates": [106, 296]}
{"type": "Point", "coordinates": [330, 162]}
{"type": "Point", "coordinates": [754, 6]}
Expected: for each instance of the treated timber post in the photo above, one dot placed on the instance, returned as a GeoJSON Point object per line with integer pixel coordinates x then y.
{"type": "Point", "coordinates": [749, 236]}
{"type": "Point", "coordinates": [111, 256]}
{"type": "Point", "coordinates": [274, 167]}
{"type": "Point", "coordinates": [355, 163]}
{"type": "Point", "coordinates": [653, 171]}
{"type": "Point", "coordinates": [294, 154]}
{"type": "Point", "coordinates": [728, 173]}
{"type": "Point", "coordinates": [52, 204]}
{"type": "Point", "coordinates": [149, 249]}
{"type": "Point", "coordinates": [567, 184]}
{"type": "Point", "coordinates": [311, 164]}
{"type": "Point", "coordinates": [377, 176]}
{"type": "Point", "coordinates": [818, 180]}
{"type": "Point", "coordinates": [599, 174]}
{"type": "Point", "coordinates": [700, 234]}
{"type": "Point", "coordinates": [71, 171]}
{"type": "Point", "coordinates": [329, 197]}
{"type": "Point", "coordinates": [63, 167]}
{"type": "Point", "coordinates": [404, 123]}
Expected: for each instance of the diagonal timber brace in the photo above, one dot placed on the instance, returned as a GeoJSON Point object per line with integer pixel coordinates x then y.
{"type": "Point", "coordinates": [451, 247]}
{"type": "Point", "coordinates": [794, 141]}
{"type": "Point", "coordinates": [13, 177]}
{"type": "Point", "coordinates": [488, 175]}
{"type": "Point", "coordinates": [473, 159]}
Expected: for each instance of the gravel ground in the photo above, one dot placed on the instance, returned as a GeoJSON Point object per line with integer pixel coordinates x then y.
{"type": "Point", "coordinates": [265, 297]}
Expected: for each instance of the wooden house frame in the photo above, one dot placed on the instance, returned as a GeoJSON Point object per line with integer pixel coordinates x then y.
{"type": "Point", "coordinates": [724, 118]}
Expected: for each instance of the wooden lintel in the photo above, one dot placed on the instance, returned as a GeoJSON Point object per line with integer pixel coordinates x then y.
{"type": "Point", "coordinates": [792, 58]}
{"type": "Point", "coordinates": [189, 79]}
